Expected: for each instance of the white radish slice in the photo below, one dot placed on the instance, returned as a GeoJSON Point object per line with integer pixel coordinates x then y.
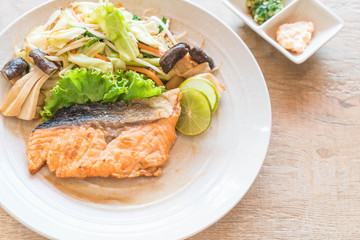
{"type": "Point", "coordinates": [28, 110]}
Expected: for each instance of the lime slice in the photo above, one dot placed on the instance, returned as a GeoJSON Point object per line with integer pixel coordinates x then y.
{"type": "Point", "coordinates": [195, 115]}
{"type": "Point", "coordinates": [205, 87]}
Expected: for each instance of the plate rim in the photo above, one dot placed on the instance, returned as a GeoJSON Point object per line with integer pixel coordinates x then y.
{"type": "Point", "coordinates": [266, 138]}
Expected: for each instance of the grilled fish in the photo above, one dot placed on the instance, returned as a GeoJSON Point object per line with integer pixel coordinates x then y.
{"type": "Point", "coordinates": [123, 139]}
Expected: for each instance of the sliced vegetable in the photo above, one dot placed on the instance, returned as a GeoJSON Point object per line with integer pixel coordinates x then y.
{"type": "Point", "coordinates": [201, 68]}
{"type": "Point", "coordinates": [117, 63]}
{"type": "Point", "coordinates": [220, 88]}
{"type": "Point", "coordinates": [19, 92]}
{"type": "Point", "coordinates": [195, 116]}
{"type": "Point", "coordinates": [173, 55]}
{"type": "Point", "coordinates": [73, 45]}
{"type": "Point", "coordinates": [112, 22]}
{"type": "Point", "coordinates": [89, 62]}
{"type": "Point", "coordinates": [14, 68]}
{"type": "Point", "coordinates": [151, 49]}
{"type": "Point", "coordinates": [97, 47]}
{"type": "Point", "coordinates": [42, 62]}
{"type": "Point", "coordinates": [152, 61]}
{"type": "Point", "coordinates": [174, 82]}
{"type": "Point", "coordinates": [148, 64]}
{"type": "Point", "coordinates": [28, 110]}
{"type": "Point", "coordinates": [205, 87]}
{"type": "Point", "coordinates": [61, 37]}
{"type": "Point", "coordinates": [148, 73]}
{"type": "Point", "coordinates": [141, 33]}
{"type": "Point", "coordinates": [101, 57]}
{"type": "Point", "coordinates": [184, 65]}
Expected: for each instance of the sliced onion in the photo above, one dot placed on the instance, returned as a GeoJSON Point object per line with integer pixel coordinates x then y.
{"type": "Point", "coordinates": [166, 29]}
{"type": "Point", "coordinates": [138, 60]}
{"type": "Point", "coordinates": [61, 73]}
{"type": "Point", "coordinates": [71, 46]}
{"type": "Point", "coordinates": [82, 25]}
{"type": "Point", "coordinates": [112, 46]}
{"type": "Point", "coordinates": [97, 34]}
{"type": "Point", "coordinates": [52, 19]}
{"type": "Point", "coordinates": [54, 58]}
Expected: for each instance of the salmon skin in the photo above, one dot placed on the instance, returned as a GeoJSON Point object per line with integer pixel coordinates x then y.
{"type": "Point", "coordinates": [122, 139]}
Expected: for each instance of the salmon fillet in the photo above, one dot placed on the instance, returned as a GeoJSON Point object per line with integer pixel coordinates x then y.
{"type": "Point", "coordinates": [121, 139]}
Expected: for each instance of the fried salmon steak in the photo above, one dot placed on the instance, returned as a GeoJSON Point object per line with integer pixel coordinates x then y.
{"type": "Point", "coordinates": [123, 139]}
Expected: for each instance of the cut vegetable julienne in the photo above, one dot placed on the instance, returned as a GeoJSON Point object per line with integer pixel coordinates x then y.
{"type": "Point", "coordinates": [148, 73]}
{"type": "Point", "coordinates": [196, 112]}
{"type": "Point", "coordinates": [151, 49]}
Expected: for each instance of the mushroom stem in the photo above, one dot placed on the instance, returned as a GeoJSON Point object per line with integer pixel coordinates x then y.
{"type": "Point", "coordinates": [42, 62]}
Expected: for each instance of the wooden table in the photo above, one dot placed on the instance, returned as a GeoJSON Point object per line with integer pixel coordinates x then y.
{"type": "Point", "coordinates": [309, 185]}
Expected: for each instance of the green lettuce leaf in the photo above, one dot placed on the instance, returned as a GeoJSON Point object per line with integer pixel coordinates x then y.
{"type": "Point", "coordinates": [86, 85]}
{"type": "Point", "coordinates": [138, 87]}
{"type": "Point", "coordinates": [112, 22]}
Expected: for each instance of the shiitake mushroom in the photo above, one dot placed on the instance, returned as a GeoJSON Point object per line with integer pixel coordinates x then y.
{"type": "Point", "coordinates": [42, 62]}
{"type": "Point", "coordinates": [177, 52]}
{"type": "Point", "coordinates": [173, 55]}
{"type": "Point", "coordinates": [14, 68]}
{"type": "Point", "coordinates": [200, 56]}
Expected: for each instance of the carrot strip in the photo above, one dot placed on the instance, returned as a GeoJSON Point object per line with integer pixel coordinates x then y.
{"type": "Point", "coordinates": [73, 51]}
{"type": "Point", "coordinates": [75, 15]}
{"type": "Point", "coordinates": [148, 73]}
{"type": "Point", "coordinates": [118, 5]}
{"type": "Point", "coordinates": [151, 49]}
{"type": "Point", "coordinates": [101, 57]}
{"type": "Point", "coordinates": [99, 32]}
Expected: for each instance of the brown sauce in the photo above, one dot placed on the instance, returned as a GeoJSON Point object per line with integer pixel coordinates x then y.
{"type": "Point", "coordinates": [130, 191]}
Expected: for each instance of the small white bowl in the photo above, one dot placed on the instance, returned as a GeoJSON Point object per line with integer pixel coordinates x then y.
{"type": "Point", "coordinates": [327, 24]}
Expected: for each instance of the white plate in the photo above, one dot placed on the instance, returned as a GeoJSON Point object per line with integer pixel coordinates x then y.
{"type": "Point", "coordinates": [205, 177]}
{"type": "Point", "coordinates": [327, 24]}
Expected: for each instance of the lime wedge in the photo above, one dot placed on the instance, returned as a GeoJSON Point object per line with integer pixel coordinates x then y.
{"type": "Point", "coordinates": [205, 87]}
{"type": "Point", "coordinates": [195, 115]}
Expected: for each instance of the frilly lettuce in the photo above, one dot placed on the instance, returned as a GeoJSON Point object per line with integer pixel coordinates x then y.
{"type": "Point", "coordinates": [113, 23]}
{"type": "Point", "coordinates": [85, 85]}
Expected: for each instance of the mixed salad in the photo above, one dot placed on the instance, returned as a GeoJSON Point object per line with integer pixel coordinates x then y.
{"type": "Point", "coordinates": [101, 52]}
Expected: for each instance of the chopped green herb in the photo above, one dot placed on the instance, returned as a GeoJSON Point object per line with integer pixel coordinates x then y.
{"type": "Point", "coordinates": [88, 34]}
{"type": "Point", "coordinates": [136, 18]}
{"type": "Point", "coordinates": [263, 10]}
{"type": "Point", "coordinates": [160, 27]}
{"type": "Point", "coordinates": [146, 55]}
{"type": "Point", "coordinates": [27, 70]}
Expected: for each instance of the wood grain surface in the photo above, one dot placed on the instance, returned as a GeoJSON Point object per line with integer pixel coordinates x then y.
{"type": "Point", "coordinates": [309, 185]}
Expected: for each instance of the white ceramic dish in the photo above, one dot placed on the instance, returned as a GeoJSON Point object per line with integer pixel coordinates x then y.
{"type": "Point", "coordinates": [205, 177]}
{"type": "Point", "coordinates": [327, 24]}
